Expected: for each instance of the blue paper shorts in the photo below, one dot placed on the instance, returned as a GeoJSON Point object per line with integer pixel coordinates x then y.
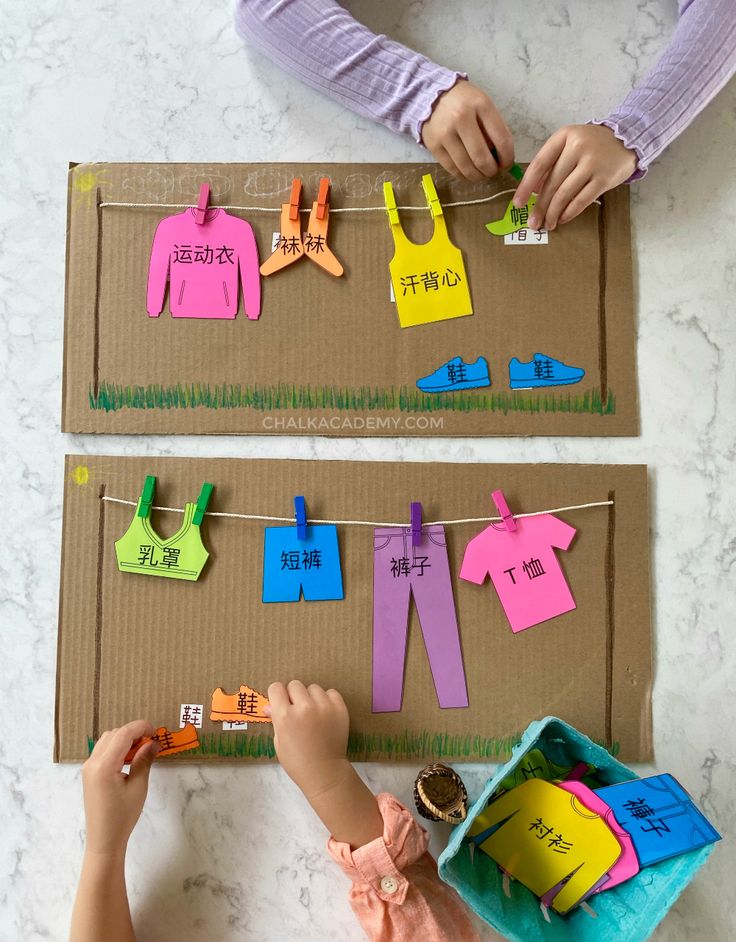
{"type": "Point", "coordinates": [292, 567]}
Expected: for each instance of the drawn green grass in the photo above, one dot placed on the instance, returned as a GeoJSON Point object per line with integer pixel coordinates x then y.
{"type": "Point", "coordinates": [111, 397]}
{"type": "Point", "coordinates": [406, 745]}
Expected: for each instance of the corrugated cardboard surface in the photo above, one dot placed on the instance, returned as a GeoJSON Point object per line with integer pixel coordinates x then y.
{"type": "Point", "coordinates": [328, 356]}
{"type": "Point", "coordinates": [132, 645]}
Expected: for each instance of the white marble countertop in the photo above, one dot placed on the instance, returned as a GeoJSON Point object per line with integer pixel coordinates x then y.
{"type": "Point", "coordinates": [233, 853]}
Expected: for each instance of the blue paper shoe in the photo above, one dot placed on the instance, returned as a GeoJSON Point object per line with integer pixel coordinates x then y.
{"type": "Point", "coordinates": [455, 374]}
{"type": "Point", "coordinates": [542, 371]}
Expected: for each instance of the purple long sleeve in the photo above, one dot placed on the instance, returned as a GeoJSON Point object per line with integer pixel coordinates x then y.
{"type": "Point", "coordinates": [323, 45]}
{"type": "Point", "coordinates": [699, 60]}
{"type": "Point", "coordinates": [319, 42]}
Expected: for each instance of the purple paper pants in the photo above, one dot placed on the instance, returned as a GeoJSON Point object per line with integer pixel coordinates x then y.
{"type": "Point", "coordinates": [401, 570]}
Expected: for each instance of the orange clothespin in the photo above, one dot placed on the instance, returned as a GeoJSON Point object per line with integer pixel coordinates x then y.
{"type": "Point", "coordinates": [295, 199]}
{"type": "Point", "coordinates": [323, 197]}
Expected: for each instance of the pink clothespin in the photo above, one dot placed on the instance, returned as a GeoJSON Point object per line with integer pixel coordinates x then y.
{"type": "Point", "coordinates": [577, 772]}
{"type": "Point", "coordinates": [416, 524]}
{"type": "Point", "coordinates": [200, 213]}
{"type": "Point", "coordinates": [503, 508]}
{"type": "Point", "coordinates": [322, 197]}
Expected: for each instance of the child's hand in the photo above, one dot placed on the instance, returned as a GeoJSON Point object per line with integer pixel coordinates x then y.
{"type": "Point", "coordinates": [310, 735]}
{"type": "Point", "coordinates": [576, 165]}
{"type": "Point", "coordinates": [113, 801]}
{"type": "Point", "coordinates": [461, 130]}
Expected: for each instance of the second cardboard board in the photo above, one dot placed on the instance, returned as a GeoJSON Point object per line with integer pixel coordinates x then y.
{"type": "Point", "coordinates": [366, 321]}
{"type": "Point", "coordinates": [444, 648]}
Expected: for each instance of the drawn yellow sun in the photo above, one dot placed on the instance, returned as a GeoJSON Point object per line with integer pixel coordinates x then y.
{"type": "Point", "coordinates": [85, 182]}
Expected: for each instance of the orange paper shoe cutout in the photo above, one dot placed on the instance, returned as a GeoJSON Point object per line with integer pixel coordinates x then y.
{"type": "Point", "coordinates": [289, 248]}
{"type": "Point", "coordinates": [291, 245]}
{"type": "Point", "coordinates": [244, 706]}
{"type": "Point", "coordinates": [170, 740]}
{"type": "Point", "coordinates": [315, 241]}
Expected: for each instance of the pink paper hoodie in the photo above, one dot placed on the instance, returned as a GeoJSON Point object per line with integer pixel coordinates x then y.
{"type": "Point", "coordinates": [203, 266]}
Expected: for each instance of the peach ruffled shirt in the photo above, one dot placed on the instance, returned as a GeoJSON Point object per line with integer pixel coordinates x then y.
{"type": "Point", "coordinates": [397, 894]}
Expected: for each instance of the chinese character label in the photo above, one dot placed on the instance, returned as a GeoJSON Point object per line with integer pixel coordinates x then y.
{"type": "Point", "coordinates": [527, 237]}
{"type": "Point", "coordinates": [234, 725]}
{"type": "Point", "coordinates": [203, 254]}
{"type": "Point", "coordinates": [191, 713]}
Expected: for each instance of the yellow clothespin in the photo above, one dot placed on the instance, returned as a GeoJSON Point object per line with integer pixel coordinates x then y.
{"type": "Point", "coordinates": [390, 201]}
{"type": "Point", "coordinates": [431, 194]}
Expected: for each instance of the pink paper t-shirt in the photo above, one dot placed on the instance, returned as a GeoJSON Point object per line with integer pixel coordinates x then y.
{"type": "Point", "coordinates": [523, 567]}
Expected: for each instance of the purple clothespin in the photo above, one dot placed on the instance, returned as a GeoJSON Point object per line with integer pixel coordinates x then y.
{"type": "Point", "coordinates": [503, 508]}
{"type": "Point", "coordinates": [200, 213]}
{"type": "Point", "coordinates": [416, 524]}
{"type": "Point", "coordinates": [300, 508]}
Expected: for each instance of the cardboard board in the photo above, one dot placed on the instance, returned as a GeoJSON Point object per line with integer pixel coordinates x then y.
{"type": "Point", "coordinates": [328, 356]}
{"type": "Point", "coordinates": [132, 645]}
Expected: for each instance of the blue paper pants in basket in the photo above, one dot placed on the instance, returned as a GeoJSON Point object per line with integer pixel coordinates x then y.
{"type": "Point", "coordinates": [292, 566]}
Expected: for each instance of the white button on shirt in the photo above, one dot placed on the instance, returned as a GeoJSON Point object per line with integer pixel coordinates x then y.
{"type": "Point", "coordinates": [389, 885]}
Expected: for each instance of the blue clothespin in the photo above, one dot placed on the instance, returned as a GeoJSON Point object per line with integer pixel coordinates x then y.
{"type": "Point", "coordinates": [416, 523]}
{"type": "Point", "coordinates": [300, 508]}
{"type": "Point", "coordinates": [149, 491]}
{"type": "Point", "coordinates": [202, 502]}
{"type": "Point", "coordinates": [503, 508]}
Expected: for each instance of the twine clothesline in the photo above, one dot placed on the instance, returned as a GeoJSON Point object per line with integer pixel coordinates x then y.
{"type": "Point", "coordinates": [277, 209]}
{"type": "Point", "coordinates": [368, 523]}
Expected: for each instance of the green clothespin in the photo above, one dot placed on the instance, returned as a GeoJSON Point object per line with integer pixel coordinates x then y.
{"type": "Point", "coordinates": [202, 501]}
{"type": "Point", "coordinates": [146, 501]}
{"type": "Point", "coordinates": [515, 170]}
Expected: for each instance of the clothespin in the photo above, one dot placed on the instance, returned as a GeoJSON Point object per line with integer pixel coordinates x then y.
{"type": "Point", "coordinates": [515, 170]}
{"type": "Point", "coordinates": [431, 193]}
{"type": "Point", "coordinates": [300, 508]}
{"type": "Point", "coordinates": [202, 502]}
{"type": "Point", "coordinates": [578, 772]}
{"type": "Point", "coordinates": [416, 523]}
{"type": "Point", "coordinates": [149, 490]}
{"type": "Point", "coordinates": [200, 213]}
{"type": "Point", "coordinates": [390, 201]}
{"type": "Point", "coordinates": [323, 197]}
{"type": "Point", "coordinates": [295, 199]}
{"type": "Point", "coordinates": [503, 508]}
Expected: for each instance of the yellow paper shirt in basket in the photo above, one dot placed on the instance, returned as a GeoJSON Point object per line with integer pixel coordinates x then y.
{"type": "Point", "coordinates": [181, 556]}
{"type": "Point", "coordinates": [546, 838]}
{"type": "Point", "coordinates": [429, 279]}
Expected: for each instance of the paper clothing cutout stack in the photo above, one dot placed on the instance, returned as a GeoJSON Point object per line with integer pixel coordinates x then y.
{"type": "Point", "coordinates": [170, 740]}
{"type": "Point", "coordinates": [546, 838]}
{"type": "Point", "coordinates": [523, 567]}
{"type": "Point", "coordinates": [292, 245]}
{"type": "Point", "coordinates": [429, 279]}
{"type": "Point", "coordinates": [204, 266]}
{"type": "Point", "coordinates": [627, 865]}
{"type": "Point", "coordinates": [245, 705]}
{"type": "Point", "coordinates": [181, 556]}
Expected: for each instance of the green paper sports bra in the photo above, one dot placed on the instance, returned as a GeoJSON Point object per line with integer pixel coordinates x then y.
{"type": "Point", "coordinates": [181, 556]}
